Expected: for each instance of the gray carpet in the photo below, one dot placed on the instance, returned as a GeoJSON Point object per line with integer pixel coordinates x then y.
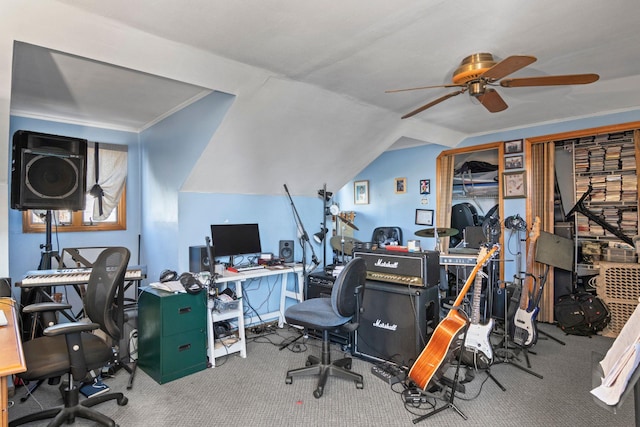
{"type": "Point", "coordinates": [252, 392]}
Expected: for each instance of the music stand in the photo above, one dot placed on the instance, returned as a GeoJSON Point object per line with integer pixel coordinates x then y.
{"type": "Point", "coordinates": [553, 251]}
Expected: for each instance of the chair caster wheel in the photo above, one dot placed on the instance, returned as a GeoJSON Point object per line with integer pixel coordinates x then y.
{"type": "Point", "coordinates": [317, 393]}
{"type": "Point", "coordinates": [347, 366]}
{"type": "Point", "coordinates": [288, 380]}
{"type": "Point", "coordinates": [359, 385]}
{"type": "Point", "coordinates": [307, 363]}
{"type": "Point", "coordinates": [123, 401]}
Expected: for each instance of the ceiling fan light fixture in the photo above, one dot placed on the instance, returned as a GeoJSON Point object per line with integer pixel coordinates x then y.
{"type": "Point", "coordinates": [477, 89]}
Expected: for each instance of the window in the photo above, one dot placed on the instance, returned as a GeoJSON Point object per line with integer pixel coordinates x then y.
{"type": "Point", "coordinates": [33, 221]}
{"type": "Point", "coordinates": [107, 212]}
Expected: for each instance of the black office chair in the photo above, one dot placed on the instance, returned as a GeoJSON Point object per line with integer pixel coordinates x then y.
{"type": "Point", "coordinates": [383, 236]}
{"type": "Point", "coordinates": [327, 315]}
{"type": "Point", "coordinates": [71, 349]}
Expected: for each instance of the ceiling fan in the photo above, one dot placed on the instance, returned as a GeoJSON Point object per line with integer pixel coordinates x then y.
{"type": "Point", "coordinates": [478, 72]}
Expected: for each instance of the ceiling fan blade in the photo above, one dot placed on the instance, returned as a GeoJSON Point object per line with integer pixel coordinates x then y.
{"type": "Point", "coordinates": [422, 87]}
{"type": "Point", "coordinates": [492, 101]}
{"type": "Point", "coordinates": [568, 79]}
{"type": "Point", "coordinates": [432, 103]}
{"type": "Point", "coordinates": [507, 66]}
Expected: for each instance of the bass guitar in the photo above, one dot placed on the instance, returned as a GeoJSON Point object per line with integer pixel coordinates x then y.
{"type": "Point", "coordinates": [429, 365]}
{"type": "Point", "coordinates": [523, 330]}
{"type": "Point", "coordinates": [478, 351]}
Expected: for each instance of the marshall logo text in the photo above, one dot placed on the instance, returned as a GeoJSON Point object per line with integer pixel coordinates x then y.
{"type": "Point", "coordinates": [379, 324]}
{"type": "Point", "coordinates": [386, 264]}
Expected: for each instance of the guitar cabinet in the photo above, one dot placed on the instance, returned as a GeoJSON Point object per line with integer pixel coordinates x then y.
{"type": "Point", "coordinates": [172, 334]}
{"type": "Point", "coordinates": [396, 322]}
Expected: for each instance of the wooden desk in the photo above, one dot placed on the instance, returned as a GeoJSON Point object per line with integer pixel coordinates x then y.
{"type": "Point", "coordinates": [11, 355]}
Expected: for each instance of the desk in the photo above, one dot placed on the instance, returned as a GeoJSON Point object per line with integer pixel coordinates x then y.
{"type": "Point", "coordinates": [11, 356]}
{"type": "Point", "coordinates": [237, 279]}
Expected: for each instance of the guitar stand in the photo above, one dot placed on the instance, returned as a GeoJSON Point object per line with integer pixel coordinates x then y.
{"type": "Point", "coordinates": [450, 402]}
{"type": "Point", "coordinates": [551, 337]}
{"type": "Point", "coordinates": [509, 355]}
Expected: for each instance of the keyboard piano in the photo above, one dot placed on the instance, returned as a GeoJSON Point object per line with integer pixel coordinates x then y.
{"type": "Point", "coordinates": [72, 276]}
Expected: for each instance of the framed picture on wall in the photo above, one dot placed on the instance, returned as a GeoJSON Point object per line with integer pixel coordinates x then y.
{"type": "Point", "coordinates": [514, 162]}
{"type": "Point", "coordinates": [514, 185]}
{"type": "Point", "coordinates": [361, 192]}
{"type": "Point", "coordinates": [424, 216]}
{"type": "Point", "coordinates": [401, 185]}
{"type": "Point", "coordinates": [425, 186]}
{"type": "Point", "coordinates": [512, 147]}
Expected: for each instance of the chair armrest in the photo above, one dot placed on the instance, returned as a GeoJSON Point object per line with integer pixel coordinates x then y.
{"type": "Point", "coordinates": [46, 306]}
{"type": "Point", "coordinates": [69, 328]}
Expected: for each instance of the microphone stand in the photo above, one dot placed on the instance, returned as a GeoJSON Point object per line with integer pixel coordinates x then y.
{"type": "Point", "coordinates": [304, 240]}
{"type": "Point", "coordinates": [304, 237]}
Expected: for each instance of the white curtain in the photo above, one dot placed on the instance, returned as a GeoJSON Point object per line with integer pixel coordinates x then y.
{"type": "Point", "coordinates": [111, 177]}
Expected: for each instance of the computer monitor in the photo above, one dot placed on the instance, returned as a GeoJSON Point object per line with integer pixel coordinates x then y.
{"type": "Point", "coordinates": [235, 239]}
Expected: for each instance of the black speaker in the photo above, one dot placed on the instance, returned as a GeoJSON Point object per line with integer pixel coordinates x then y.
{"type": "Point", "coordinates": [198, 259]}
{"type": "Point", "coordinates": [48, 172]}
{"type": "Point", "coordinates": [286, 250]}
{"type": "Point", "coordinates": [396, 323]}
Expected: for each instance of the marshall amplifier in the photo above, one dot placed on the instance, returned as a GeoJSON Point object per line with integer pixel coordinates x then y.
{"type": "Point", "coordinates": [319, 285]}
{"type": "Point", "coordinates": [404, 268]}
{"type": "Point", "coordinates": [396, 322]}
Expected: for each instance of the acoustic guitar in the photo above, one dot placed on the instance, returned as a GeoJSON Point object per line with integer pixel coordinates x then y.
{"type": "Point", "coordinates": [432, 359]}
{"type": "Point", "coordinates": [523, 329]}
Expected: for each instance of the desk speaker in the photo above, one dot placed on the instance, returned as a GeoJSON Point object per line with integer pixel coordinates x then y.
{"type": "Point", "coordinates": [48, 172]}
{"type": "Point", "coordinates": [286, 250]}
{"type": "Point", "coordinates": [198, 259]}
{"type": "Point", "coordinates": [396, 322]}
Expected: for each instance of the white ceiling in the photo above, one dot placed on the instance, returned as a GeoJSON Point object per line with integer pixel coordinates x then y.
{"type": "Point", "coordinates": [355, 49]}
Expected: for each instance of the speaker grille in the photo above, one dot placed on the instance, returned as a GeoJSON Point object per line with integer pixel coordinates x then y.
{"type": "Point", "coordinates": [50, 177]}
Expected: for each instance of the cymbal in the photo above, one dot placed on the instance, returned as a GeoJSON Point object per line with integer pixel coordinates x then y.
{"type": "Point", "coordinates": [349, 223]}
{"type": "Point", "coordinates": [349, 243]}
{"type": "Point", "coordinates": [442, 232]}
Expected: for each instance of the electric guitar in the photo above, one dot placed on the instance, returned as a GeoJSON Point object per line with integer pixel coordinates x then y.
{"type": "Point", "coordinates": [523, 330]}
{"type": "Point", "coordinates": [438, 350]}
{"type": "Point", "coordinates": [478, 351]}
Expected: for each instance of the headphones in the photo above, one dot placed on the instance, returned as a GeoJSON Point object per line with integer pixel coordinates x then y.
{"type": "Point", "coordinates": [515, 222]}
{"type": "Point", "coordinates": [191, 285]}
{"type": "Point", "coordinates": [221, 329]}
{"type": "Point", "coordinates": [168, 276]}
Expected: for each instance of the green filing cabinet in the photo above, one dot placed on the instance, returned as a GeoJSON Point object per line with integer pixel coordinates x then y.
{"type": "Point", "coordinates": [172, 334]}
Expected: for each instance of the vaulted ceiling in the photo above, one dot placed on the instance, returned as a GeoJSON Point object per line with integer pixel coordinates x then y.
{"type": "Point", "coordinates": [324, 69]}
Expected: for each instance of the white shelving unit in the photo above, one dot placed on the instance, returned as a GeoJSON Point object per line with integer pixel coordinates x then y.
{"type": "Point", "coordinates": [222, 346]}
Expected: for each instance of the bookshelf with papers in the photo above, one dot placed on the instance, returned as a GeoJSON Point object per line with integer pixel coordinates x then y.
{"type": "Point", "coordinates": [606, 163]}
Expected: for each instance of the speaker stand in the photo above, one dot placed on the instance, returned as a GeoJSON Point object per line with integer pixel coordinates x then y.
{"type": "Point", "coordinates": [45, 264]}
{"type": "Point", "coordinates": [47, 253]}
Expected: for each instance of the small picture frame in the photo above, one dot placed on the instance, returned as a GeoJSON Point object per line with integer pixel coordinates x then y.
{"type": "Point", "coordinates": [512, 147]}
{"type": "Point", "coordinates": [514, 162]}
{"type": "Point", "coordinates": [424, 217]}
{"type": "Point", "coordinates": [425, 186]}
{"type": "Point", "coordinates": [514, 185]}
{"type": "Point", "coordinates": [361, 192]}
{"type": "Point", "coordinates": [401, 185]}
